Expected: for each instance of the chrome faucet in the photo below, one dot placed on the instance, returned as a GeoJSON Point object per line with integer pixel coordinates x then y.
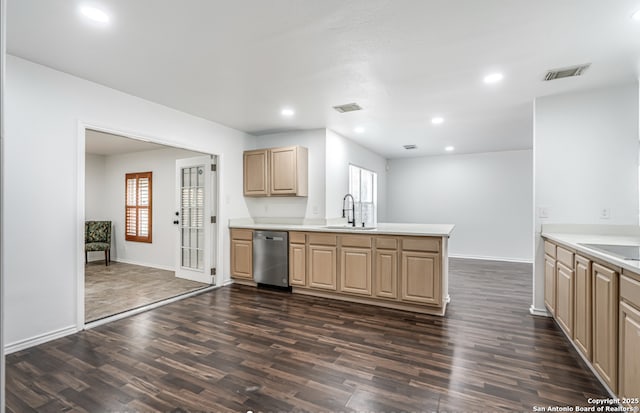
{"type": "Point", "coordinates": [351, 221]}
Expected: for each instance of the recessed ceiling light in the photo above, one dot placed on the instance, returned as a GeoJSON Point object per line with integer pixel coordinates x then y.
{"type": "Point", "coordinates": [437, 120]}
{"type": "Point", "coordinates": [636, 16]}
{"type": "Point", "coordinates": [493, 78]}
{"type": "Point", "coordinates": [449, 148]}
{"type": "Point", "coordinates": [288, 112]}
{"type": "Point", "coordinates": [94, 14]}
{"type": "Point", "coordinates": [359, 129]}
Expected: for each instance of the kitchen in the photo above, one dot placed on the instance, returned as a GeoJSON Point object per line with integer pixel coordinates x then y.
{"type": "Point", "coordinates": [524, 154]}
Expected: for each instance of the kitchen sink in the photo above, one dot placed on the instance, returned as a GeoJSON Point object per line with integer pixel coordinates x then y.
{"type": "Point", "coordinates": [349, 227]}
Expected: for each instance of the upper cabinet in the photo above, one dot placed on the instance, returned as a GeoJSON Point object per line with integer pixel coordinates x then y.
{"type": "Point", "coordinates": [276, 172]}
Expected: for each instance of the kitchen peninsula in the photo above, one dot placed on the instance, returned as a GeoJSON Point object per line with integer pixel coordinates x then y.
{"type": "Point", "coordinates": [400, 266]}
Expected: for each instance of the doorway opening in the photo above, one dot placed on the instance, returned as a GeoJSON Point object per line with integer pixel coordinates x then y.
{"type": "Point", "coordinates": [150, 233]}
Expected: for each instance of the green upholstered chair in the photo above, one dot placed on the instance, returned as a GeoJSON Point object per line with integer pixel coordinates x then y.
{"type": "Point", "coordinates": [97, 237]}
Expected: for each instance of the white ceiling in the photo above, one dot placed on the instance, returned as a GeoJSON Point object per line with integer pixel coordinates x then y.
{"type": "Point", "coordinates": [238, 62]}
{"type": "Point", "coordinates": [102, 143]}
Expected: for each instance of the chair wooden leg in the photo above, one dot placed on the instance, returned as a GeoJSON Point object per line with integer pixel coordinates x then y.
{"type": "Point", "coordinates": [106, 254]}
{"type": "Point", "coordinates": [86, 258]}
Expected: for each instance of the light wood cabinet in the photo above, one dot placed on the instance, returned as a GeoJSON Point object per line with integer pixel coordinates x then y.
{"type": "Point", "coordinates": [256, 173]}
{"type": "Point", "coordinates": [420, 277]}
{"type": "Point", "coordinates": [276, 172]}
{"type": "Point", "coordinates": [564, 298]}
{"type": "Point", "coordinates": [242, 254]}
{"type": "Point", "coordinates": [605, 324]}
{"type": "Point", "coordinates": [629, 338]}
{"type": "Point", "coordinates": [550, 284]}
{"type": "Point", "coordinates": [629, 351]}
{"type": "Point", "coordinates": [322, 267]}
{"type": "Point", "coordinates": [297, 264]}
{"type": "Point", "coordinates": [386, 273]}
{"type": "Point", "coordinates": [582, 312]}
{"type": "Point", "coordinates": [355, 270]}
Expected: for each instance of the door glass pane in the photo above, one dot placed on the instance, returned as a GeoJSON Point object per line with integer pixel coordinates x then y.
{"type": "Point", "coordinates": [192, 209]}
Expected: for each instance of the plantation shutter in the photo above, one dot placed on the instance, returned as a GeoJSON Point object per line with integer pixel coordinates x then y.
{"type": "Point", "coordinates": [138, 206]}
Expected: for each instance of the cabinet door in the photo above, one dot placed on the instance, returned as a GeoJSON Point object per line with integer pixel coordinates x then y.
{"type": "Point", "coordinates": [605, 324]}
{"type": "Point", "coordinates": [582, 313]}
{"type": "Point", "coordinates": [283, 171]}
{"type": "Point", "coordinates": [256, 173]}
{"type": "Point", "coordinates": [386, 278]}
{"type": "Point", "coordinates": [420, 277]}
{"type": "Point", "coordinates": [550, 284]}
{"type": "Point", "coordinates": [564, 298]}
{"type": "Point", "coordinates": [629, 351]}
{"type": "Point", "coordinates": [355, 270]}
{"type": "Point", "coordinates": [297, 265]}
{"type": "Point", "coordinates": [242, 259]}
{"type": "Point", "coordinates": [322, 267]}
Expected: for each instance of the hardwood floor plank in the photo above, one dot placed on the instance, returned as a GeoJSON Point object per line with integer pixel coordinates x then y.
{"type": "Point", "coordinates": [239, 349]}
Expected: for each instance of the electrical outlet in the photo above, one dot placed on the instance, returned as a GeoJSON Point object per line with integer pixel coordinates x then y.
{"type": "Point", "coordinates": [315, 210]}
{"type": "Point", "coordinates": [605, 213]}
{"type": "Point", "coordinates": [543, 212]}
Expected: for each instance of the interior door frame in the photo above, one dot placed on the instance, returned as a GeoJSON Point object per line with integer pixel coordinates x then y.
{"type": "Point", "coordinates": [82, 127]}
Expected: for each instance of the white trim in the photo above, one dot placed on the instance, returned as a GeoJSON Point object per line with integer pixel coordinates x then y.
{"type": "Point", "coordinates": [142, 264]}
{"type": "Point", "coordinates": [39, 339]}
{"type": "Point", "coordinates": [542, 312]}
{"type": "Point", "coordinates": [148, 307]}
{"type": "Point", "coordinates": [487, 258]}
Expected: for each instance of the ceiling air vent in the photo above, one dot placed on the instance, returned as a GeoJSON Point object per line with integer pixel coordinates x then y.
{"type": "Point", "coordinates": [349, 107]}
{"type": "Point", "coordinates": [566, 72]}
{"type": "Point", "coordinates": [410, 146]}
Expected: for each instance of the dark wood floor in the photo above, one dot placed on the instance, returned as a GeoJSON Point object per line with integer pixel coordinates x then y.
{"type": "Point", "coordinates": [238, 349]}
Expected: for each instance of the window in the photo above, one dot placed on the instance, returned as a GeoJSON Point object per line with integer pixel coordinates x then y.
{"type": "Point", "coordinates": [363, 186]}
{"type": "Point", "coordinates": [137, 206]}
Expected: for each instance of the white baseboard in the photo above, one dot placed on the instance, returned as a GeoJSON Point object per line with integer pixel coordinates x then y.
{"type": "Point", "coordinates": [144, 264]}
{"type": "Point", "coordinates": [39, 339]}
{"type": "Point", "coordinates": [542, 312]}
{"type": "Point", "coordinates": [487, 258]}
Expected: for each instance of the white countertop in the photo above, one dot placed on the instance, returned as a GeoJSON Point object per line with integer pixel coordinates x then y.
{"type": "Point", "coordinates": [574, 240]}
{"type": "Point", "coordinates": [422, 230]}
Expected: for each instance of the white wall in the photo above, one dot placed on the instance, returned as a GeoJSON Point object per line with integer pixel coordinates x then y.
{"type": "Point", "coordinates": [340, 153]}
{"type": "Point", "coordinates": [487, 196]}
{"type": "Point", "coordinates": [94, 188]}
{"type": "Point", "coordinates": [43, 107]}
{"type": "Point", "coordinates": [108, 203]}
{"type": "Point", "coordinates": [309, 208]}
{"type": "Point", "coordinates": [585, 159]}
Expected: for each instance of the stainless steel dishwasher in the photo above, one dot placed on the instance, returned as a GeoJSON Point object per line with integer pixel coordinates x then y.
{"type": "Point", "coordinates": [271, 258]}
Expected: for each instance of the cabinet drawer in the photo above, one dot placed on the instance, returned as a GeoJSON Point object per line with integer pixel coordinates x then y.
{"type": "Point", "coordinates": [387, 243]}
{"type": "Point", "coordinates": [565, 257]}
{"type": "Point", "coordinates": [550, 249]}
{"type": "Point", "coordinates": [421, 244]}
{"type": "Point", "coordinates": [322, 239]}
{"type": "Point", "coordinates": [297, 237]}
{"type": "Point", "coordinates": [356, 241]}
{"type": "Point", "coordinates": [245, 234]}
{"type": "Point", "coordinates": [630, 290]}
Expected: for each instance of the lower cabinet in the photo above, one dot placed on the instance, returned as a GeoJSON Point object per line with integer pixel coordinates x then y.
{"type": "Point", "coordinates": [386, 273]}
{"type": "Point", "coordinates": [582, 299]}
{"type": "Point", "coordinates": [605, 324]}
{"type": "Point", "coordinates": [550, 284]}
{"type": "Point", "coordinates": [297, 265]}
{"type": "Point", "coordinates": [355, 270]}
{"type": "Point", "coordinates": [564, 298]}
{"type": "Point", "coordinates": [629, 351]}
{"type": "Point", "coordinates": [420, 277]}
{"type": "Point", "coordinates": [629, 339]}
{"type": "Point", "coordinates": [242, 254]}
{"type": "Point", "coordinates": [322, 267]}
